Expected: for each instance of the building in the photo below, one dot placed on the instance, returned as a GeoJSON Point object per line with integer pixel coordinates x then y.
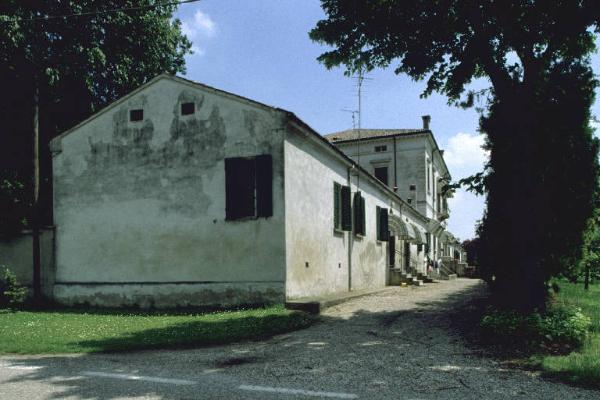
{"type": "Point", "coordinates": [180, 194]}
{"type": "Point", "coordinates": [410, 162]}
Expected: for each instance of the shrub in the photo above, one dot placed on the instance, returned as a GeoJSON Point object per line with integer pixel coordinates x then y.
{"type": "Point", "coordinates": [12, 294]}
{"type": "Point", "coordinates": [561, 328]}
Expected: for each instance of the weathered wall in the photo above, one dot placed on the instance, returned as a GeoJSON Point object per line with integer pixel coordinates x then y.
{"type": "Point", "coordinates": [319, 260]}
{"type": "Point", "coordinates": [16, 255]}
{"type": "Point", "coordinates": [144, 203]}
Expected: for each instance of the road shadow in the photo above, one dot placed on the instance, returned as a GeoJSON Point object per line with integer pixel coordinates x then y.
{"type": "Point", "coordinates": [421, 349]}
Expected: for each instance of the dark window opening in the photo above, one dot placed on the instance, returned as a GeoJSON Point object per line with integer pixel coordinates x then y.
{"type": "Point", "coordinates": [188, 108]}
{"type": "Point", "coordinates": [379, 149]}
{"type": "Point", "coordinates": [412, 187]}
{"type": "Point", "coordinates": [381, 173]}
{"type": "Point", "coordinates": [382, 224]}
{"type": "Point", "coordinates": [248, 187]}
{"type": "Point", "coordinates": [409, 201]}
{"type": "Point", "coordinates": [342, 209]}
{"type": "Point", "coordinates": [359, 214]}
{"type": "Point", "coordinates": [136, 115]}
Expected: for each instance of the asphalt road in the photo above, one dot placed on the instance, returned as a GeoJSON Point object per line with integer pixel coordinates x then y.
{"type": "Point", "coordinates": [400, 343]}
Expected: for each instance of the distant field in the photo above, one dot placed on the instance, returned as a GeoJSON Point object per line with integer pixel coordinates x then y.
{"type": "Point", "coordinates": [582, 366]}
{"type": "Point", "coordinates": [74, 331]}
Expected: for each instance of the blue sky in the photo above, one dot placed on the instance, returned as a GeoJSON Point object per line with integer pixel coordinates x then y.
{"type": "Point", "coordinates": [260, 49]}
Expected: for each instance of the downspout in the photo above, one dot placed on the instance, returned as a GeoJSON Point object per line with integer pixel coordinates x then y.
{"type": "Point", "coordinates": [395, 168]}
{"type": "Point", "coordinates": [350, 237]}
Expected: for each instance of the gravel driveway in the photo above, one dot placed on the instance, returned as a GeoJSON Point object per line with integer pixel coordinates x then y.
{"type": "Point", "coordinates": [400, 343]}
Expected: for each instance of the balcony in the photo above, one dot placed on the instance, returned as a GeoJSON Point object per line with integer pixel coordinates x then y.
{"type": "Point", "coordinates": [443, 214]}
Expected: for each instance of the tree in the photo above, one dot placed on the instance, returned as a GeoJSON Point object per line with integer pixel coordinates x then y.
{"type": "Point", "coordinates": [80, 63]}
{"type": "Point", "coordinates": [61, 61]}
{"type": "Point", "coordinates": [541, 177]}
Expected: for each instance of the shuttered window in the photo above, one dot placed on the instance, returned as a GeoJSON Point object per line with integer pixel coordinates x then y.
{"type": "Point", "coordinates": [346, 208]}
{"type": "Point", "coordinates": [382, 224]}
{"type": "Point", "coordinates": [337, 206]}
{"type": "Point", "coordinates": [248, 187]}
{"type": "Point", "coordinates": [359, 214]}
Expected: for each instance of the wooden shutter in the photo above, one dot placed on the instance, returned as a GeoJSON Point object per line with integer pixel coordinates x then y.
{"type": "Point", "coordinates": [356, 202]}
{"type": "Point", "coordinates": [359, 214]}
{"type": "Point", "coordinates": [383, 224]}
{"type": "Point", "coordinates": [264, 185]}
{"type": "Point", "coordinates": [239, 188]}
{"type": "Point", "coordinates": [385, 230]}
{"type": "Point", "coordinates": [363, 217]}
{"type": "Point", "coordinates": [378, 222]}
{"type": "Point", "coordinates": [337, 222]}
{"type": "Point", "coordinates": [346, 208]}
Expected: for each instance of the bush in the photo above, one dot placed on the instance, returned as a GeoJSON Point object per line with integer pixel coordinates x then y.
{"type": "Point", "coordinates": [561, 328]}
{"type": "Point", "coordinates": [12, 294]}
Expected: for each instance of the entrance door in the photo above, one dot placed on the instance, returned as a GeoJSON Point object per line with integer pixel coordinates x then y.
{"type": "Point", "coordinates": [392, 250]}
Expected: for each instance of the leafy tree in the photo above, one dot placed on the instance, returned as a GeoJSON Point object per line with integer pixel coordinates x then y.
{"type": "Point", "coordinates": [543, 168]}
{"type": "Point", "coordinates": [78, 64]}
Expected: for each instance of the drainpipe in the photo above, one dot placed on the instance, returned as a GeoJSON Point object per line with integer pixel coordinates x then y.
{"type": "Point", "coordinates": [395, 168]}
{"type": "Point", "coordinates": [350, 236]}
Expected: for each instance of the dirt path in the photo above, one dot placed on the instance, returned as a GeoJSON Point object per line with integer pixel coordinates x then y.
{"type": "Point", "coordinates": [400, 343]}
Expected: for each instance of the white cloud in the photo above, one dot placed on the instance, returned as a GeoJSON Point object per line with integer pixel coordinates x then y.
{"type": "Point", "coordinates": [198, 28]}
{"type": "Point", "coordinates": [464, 157]}
{"type": "Point", "coordinates": [464, 154]}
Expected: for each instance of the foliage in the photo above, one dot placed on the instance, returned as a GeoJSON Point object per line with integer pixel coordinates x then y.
{"type": "Point", "coordinates": [12, 294]}
{"type": "Point", "coordinates": [582, 366]}
{"type": "Point", "coordinates": [72, 331]}
{"type": "Point", "coordinates": [80, 64]}
{"type": "Point", "coordinates": [559, 327]}
{"type": "Point", "coordinates": [591, 254]}
{"type": "Point", "coordinates": [471, 246]}
{"type": "Point", "coordinates": [541, 178]}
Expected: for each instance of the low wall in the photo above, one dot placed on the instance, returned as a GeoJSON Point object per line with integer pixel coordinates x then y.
{"type": "Point", "coordinates": [16, 254]}
{"type": "Point", "coordinates": [170, 295]}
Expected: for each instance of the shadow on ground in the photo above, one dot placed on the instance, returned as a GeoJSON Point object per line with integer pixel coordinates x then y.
{"type": "Point", "coordinates": [420, 350]}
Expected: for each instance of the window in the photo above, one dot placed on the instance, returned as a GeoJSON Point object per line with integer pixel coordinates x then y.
{"type": "Point", "coordinates": [136, 115]}
{"type": "Point", "coordinates": [382, 223]}
{"type": "Point", "coordinates": [379, 149]}
{"type": "Point", "coordinates": [188, 108]}
{"type": "Point", "coordinates": [381, 173]}
{"type": "Point", "coordinates": [359, 214]}
{"type": "Point", "coordinates": [412, 188]}
{"type": "Point", "coordinates": [342, 214]}
{"type": "Point", "coordinates": [248, 187]}
{"type": "Point", "coordinates": [428, 171]}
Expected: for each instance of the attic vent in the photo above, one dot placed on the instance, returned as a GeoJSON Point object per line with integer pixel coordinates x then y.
{"type": "Point", "coordinates": [136, 115]}
{"type": "Point", "coordinates": [188, 108]}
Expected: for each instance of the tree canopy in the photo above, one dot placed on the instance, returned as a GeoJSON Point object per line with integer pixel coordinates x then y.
{"type": "Point", "coordinates": [79, 63]}
{"type": "Point", "coordinates": [541, 179]}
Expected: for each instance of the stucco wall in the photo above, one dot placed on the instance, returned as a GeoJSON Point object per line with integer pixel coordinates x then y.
{"type": "Point", "coordinates": [16, 255]}
{"type": "Point", "coordinates": [144, 202]}
{"type": "Point", "coordinates": [337, 261]}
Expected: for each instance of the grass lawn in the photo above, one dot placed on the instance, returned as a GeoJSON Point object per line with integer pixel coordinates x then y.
{"type": "Point", "coordinates": [582, 366]}
{"type": "Point", "coordinates": [74, 331]}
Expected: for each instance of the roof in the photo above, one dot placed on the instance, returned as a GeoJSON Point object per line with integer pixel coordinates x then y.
{"type": "Point", "coordinates": [362, 134]}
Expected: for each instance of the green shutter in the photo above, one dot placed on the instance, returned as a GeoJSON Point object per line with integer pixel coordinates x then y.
{"type": "Point", "coordinates": [357, 205]}
{"type": "Point", "coordinates": [364, 215]}
{"type": "Point", "coordinates": [383, 224]}
{"type": "Point", "coordinates": [337, 222]}
{"type": "Point", "coordinates": [346, 208]}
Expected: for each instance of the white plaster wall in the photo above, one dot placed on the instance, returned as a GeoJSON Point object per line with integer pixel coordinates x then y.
{"type": "Point", "coordinates": [145, 202]}
{"type": "Point", "coordinates": [337, 262]}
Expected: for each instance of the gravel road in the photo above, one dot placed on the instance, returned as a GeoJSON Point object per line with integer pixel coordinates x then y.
{"type": "Point", "coordinates": [400, 343]}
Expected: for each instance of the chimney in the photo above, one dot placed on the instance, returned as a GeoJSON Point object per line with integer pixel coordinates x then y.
{"type": "Point", "coordinates": [426, 121]}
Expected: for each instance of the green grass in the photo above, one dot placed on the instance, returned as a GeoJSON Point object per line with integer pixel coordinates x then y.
{"type": "Point", "coordinates": [581, 366]}
{"type": "Point", "coordinates": [75, 331]}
